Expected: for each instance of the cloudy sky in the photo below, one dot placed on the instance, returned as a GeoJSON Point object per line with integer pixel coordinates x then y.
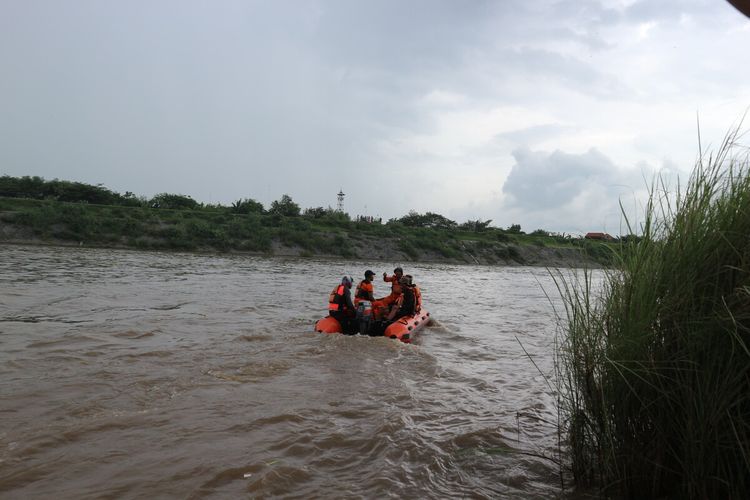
{"type": "Point", "coordinates": [542, 113]}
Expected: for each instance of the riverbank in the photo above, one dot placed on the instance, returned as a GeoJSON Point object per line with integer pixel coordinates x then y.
{"type": "Point", "coordinates": [368, 249]}
{"type": "Point", "coordinates": [42, 222]}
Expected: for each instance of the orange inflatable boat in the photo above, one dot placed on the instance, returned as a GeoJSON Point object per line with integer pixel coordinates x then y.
{"type": "Point", "coordinates": [403, 329]}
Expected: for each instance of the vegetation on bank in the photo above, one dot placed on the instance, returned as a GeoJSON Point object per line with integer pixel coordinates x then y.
{"type": "Point", "coordinates": [94, 215]}
{"type": "Point", "coordinates": [655, 369]}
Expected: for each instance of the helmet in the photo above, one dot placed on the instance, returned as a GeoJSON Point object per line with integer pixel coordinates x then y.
{"type": "Point", "coordinates": [347, 281]}
{"type": "Point", "coordinates": [398, 270]}
{"type": "Point", "coordinates": [369, 273]}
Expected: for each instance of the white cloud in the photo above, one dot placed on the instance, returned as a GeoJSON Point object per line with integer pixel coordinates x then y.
{"type": "Point", "coordinates": [443, 98]}
{"type": "Point", "coordinates": [644, 29]}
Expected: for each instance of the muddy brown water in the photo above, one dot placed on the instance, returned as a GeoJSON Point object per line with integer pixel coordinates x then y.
{"type": "Point", "coordinates": [130, 374]}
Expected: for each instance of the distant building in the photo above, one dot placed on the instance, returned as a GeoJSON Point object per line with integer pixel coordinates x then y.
{"type": "Point", "coordinates": [599, 236]}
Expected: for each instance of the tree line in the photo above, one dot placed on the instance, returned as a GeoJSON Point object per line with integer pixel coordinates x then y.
{"type": "Point", "coordinates": [37, 188]}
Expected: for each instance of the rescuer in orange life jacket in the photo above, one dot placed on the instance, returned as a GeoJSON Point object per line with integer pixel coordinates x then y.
{"type": "Point", "coordinates": [381, 306]}
{"type": "Point", "coordinates": [365, 289]}
{"type": "Point", "coordinates": [417, 293]}
{"type": "Point", "coordinates": [340, 306]}
{"type": "Point", "coordinates": [406, 304]}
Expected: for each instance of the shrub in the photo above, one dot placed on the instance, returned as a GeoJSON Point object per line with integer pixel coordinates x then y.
{"type": "Point", "coordinates": [429, 219]}
{"type": "Point", "coordinates": [475, 225]}
{"type": "Point", "coordinates": [247, 206]}
{"type": "Point", "coordinates": [408, 248]}
{"type": "Point", "coordinates": [656, 368]}
{"type": "Point", "coordinates": [199, 229]}
{"type": "Point", "coordinates": [509, 252]}
{"type": "Point", "coordinates": [173, 201]}
{"type": "Point", "coordinates": [502, 237]}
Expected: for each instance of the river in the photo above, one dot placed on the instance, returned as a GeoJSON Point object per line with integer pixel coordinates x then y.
{"type": "Point", "coordinates": [131, 374]}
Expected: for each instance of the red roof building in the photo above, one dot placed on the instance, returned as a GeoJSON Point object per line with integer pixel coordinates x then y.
{"type": "Point", "coordinates": [599, 236]}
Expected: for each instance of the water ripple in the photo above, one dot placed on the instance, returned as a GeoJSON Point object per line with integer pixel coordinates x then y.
{"type": "Point", "coordinates": [196, 376]}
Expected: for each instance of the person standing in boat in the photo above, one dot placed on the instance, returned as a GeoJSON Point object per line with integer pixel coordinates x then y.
{"type": "Point", "coordinates": [406, 303]}
{"type": "Point", "coordinates": [363, 300]}
{"type": "Point", "coordinates": [417, 294]}
{"type": "Point", "coordinates": [340, 306]}
{"type": "Point", "coordinates": [383, 305]}
{"type": "Point", "coordinates": [365, 289]}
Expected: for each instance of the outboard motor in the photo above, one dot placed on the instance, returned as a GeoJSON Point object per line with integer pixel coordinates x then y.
{"type": "Point", "coordinates": [364, 317]}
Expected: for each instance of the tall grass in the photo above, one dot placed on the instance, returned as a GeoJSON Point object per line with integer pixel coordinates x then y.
{"type": "Point", "coordinates": [655, 360]}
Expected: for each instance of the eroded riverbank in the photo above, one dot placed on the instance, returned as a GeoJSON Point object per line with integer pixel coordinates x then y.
{"type": "Point", "coordinates": [363, 248]}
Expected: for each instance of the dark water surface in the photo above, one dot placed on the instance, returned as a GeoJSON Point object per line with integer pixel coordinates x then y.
{"type": "Point", "coordinates": [147, 375]}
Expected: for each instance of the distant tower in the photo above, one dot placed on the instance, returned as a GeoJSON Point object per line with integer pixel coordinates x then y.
{"type": "Point", "coordinates": [340, 206]}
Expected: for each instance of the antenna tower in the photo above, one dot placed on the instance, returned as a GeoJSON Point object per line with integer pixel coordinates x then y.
{"type": "Point", "coordinates": [340, 206]}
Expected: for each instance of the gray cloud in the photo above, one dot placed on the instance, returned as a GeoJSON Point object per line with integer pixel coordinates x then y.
{"type": "Point", "coordinates": [259, 98]}
{"type": "Point", "coordinates": [542, 181]}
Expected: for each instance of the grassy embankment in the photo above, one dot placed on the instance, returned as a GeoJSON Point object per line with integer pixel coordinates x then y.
{"type": "Point", "coordinates": [217, 228]}
{"type": "Point", "coordinates": [655, 369]}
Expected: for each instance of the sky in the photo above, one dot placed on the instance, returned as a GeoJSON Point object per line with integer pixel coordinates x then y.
{"type": "Point", "coordinates": [548, 114]}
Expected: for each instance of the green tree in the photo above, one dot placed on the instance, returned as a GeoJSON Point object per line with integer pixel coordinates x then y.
{"type": "Point", "coordinates": [429, 219]}
{"type": "Point", "coordinates": [247, 206]}
{"type": "Point", "coordinates": [131, 200]}
{"type": "Point", "coordinates": [285, 206]}
{"type": "Point", "coordinates": [22, 187]}
{"type": "Point", "coordinates": [476, 225]}
{"type": "Point", "coordinates": [79, 192]}
{"type": "Point", "coordinates": [37, 188]}
{"type": "Point", "coordinates": [317, 212]}
{"type": "Point", "coordinates": [174, 201]}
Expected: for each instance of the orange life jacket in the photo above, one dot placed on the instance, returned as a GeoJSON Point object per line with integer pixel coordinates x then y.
{"type": "Point", "coordinates": [417, 298]}
{"type": "Point", "coordinates": [364, 289]}
{"type": "Point", "coordinates": [336, 301]}
{"type": "Point", "coordinates": [402, 298]}
{"type": "Point", "coordinates": [395, 286]}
